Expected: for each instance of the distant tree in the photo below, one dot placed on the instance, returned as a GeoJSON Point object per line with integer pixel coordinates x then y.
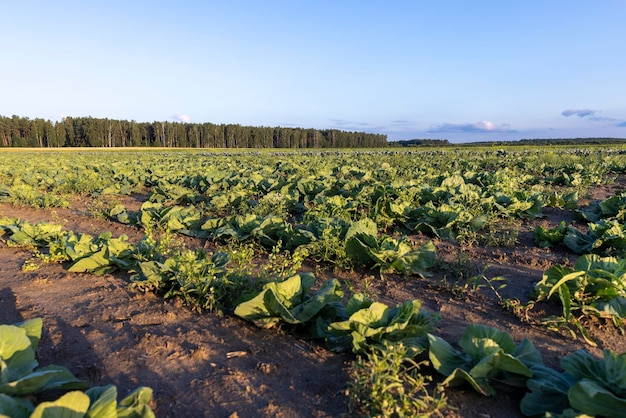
{"type": "Point", "coordinates": [423, 142]}
{"type": "Point", "coordinates": [98, 132]}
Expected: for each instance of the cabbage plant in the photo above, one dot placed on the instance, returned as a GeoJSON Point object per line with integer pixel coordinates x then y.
{"type": "Point", "coordinates": [594, 286]}
{"type": "Point", "coordinates": [487, 355]}
{"type": "Point", "coordinates": [372, 323]}
{"type": "Point", "coordinates": [587, 387]}
{"type": "Point", "coordinates": [390, 255]}
{"type": "Point", "coordinates": [19, 371]}
{"type": "Point", "coordinates": [291, 301]}
{"type": "Point", "coordinates": [21, 378]}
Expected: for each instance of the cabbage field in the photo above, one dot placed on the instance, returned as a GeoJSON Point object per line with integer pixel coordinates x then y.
{"type": "Point", "coordinates": [456, 281]}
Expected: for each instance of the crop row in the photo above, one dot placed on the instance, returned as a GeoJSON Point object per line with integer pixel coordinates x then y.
{"type": "Point", "coordinates": [361, 324]}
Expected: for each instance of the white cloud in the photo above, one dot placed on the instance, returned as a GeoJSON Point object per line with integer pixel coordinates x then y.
{"type": "Point", "coordinates": [182, 117]}
{"type": "Point", "coordinates": [485, 125]}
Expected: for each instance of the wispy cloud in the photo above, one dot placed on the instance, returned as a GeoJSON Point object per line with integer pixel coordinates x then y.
{"type": "Point", "coordinates": [483, 126]}
{"type": "Point", "coordinates": [581, 113]}
{"type": "Point", "coordinates": [290, 124]}
{"type": "Point", "coordinates": [394, 126]}
{"type": "Point", "coordinates": [604, 119]}
{"type": "Point", "coordinates": [344, 124]}
{"type": "Point", "coordinates": [182, 117]}
{"type": "Point", "coordinates": [590, 115]}
{"type": "Point", "coordinates": [401, 124]}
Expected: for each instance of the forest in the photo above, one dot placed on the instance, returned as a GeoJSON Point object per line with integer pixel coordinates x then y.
{"type": "Point", "coordinates": [19, 131]}
{"type": "Point", "coordinates": [421, 142]}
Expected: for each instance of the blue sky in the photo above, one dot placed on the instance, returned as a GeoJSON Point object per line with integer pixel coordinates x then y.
{"type": "Point", "coordinates": [459, 70]}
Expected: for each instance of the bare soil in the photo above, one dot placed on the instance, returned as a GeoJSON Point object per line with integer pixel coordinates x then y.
{"type": "Point", "coordinates": [204, 365]}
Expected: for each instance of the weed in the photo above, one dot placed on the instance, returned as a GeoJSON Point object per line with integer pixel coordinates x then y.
{"type": "Point", "coordinates": [560, 323]}
{"type": "Point", "coordinates": [241, 258]}
{"type": "Point", "coordinates": [481, 280]}
{"type": "Point", "coordinates": [203, 281]}
{"type": "Point", "coordinates": [462, 267]}
{"type": "Point", "coordinates": [100, 209]}
{"type": "Point", "coordinates": [282, 264]}
{"type": "Point", "coordinates": [467, 237]}
{"type": "Point", "coordinates": [330, 248]}
{"type": "Point", "coordinates": [158, 242]}
{"type": "Point", "coordinates": [501, 234]}
{"type": "Point", "coordinates": [55, 255]}
{"type": "Point", "coordinates": [386, 382]}
{"type": "Point", "coordinates": [368, 290]}
{"type": "Point", "coordinates": [519, 309]}
{"type": "Point", "coordinates": [270, 204]}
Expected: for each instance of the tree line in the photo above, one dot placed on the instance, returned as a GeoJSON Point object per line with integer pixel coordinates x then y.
{"type": "Point", "coordinates": [19, 131]}
{"type": "Point", "coordinates": [421, 142]}
{"type": "Point", "coordinates": [551, 141]}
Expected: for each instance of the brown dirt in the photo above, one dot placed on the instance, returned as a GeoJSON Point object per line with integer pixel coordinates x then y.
{"type": "Point", "coordinates": [212, 366]}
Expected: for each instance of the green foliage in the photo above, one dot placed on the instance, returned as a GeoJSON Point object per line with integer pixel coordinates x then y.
{"type": "Point", "coordinates": [102, 255]}
{"type": "Point", "coordinates": [371, 323]}
{"type": "Point", "coordinates": [601, 386]}
{"type": "Point", "coordinates": [444, 220]}
{"type": "Point", "coordinates": [241, 258]}
{"type": "Point", "coordinates": [587, 387]}
{"type": "Point", "coordinates": [97, 402]}
{"type": "Point", "coordinates": [157, 245]}
{"type": "Point", "coordinates": [595, 286]}
{"type": "Point", "coordinates": [605, 232]}
{"type": "Point", "coordinates": [312, 199]}
{"type": "Point", "coordinates": [329, 243]}
{"type": "Point", "coordinates": [185, 220]}
{"type": "Point", "coordinates": [363, 246]}
{"type": "Point", "coordinates": [344, 208]}
{"type": "Point", "coordinates": [546, 238]}
{"type": "Point", "coordinates": [21, 378]}
{"type": "Point", "coordinates": [605, 235]}
{"type": "Point", "coordinates": [361, 236]}
{"type": "Point", "coordinates": [19, 374]}
{"type": "Point", "coordinates": [26, 234]}
{"type": "Point", "coordinates": [27, 195]}
{"type": "Point", "coordinates": [613, 208]}
{"type": "Point", "coordinates": [166, 192]}
{"type": "Point", "coordinates": [357, 326]}
{"type": "Point", "coordinates": [519, 204]}
{"type": "Point", "coordinates": [272, 203]}
{"type": "Point", "coordinates": [568, 201]}
{"type": "Point", "coordinates": [267, 231]}
{"type": "Point", "coordinates": [282, 264]}
{"type": "Point", "coordinates": [99, 255]}
{"type": "Point", "coordinates": [547, 392]}
{"type": "Point", "coordinates": [201, 280]}
{"type": "Point", "coordinates": [386, 382]}
{"type": "Point", "coordinates": [290, 301]}
{"type": "Point", "coordinates": [487, 355]}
